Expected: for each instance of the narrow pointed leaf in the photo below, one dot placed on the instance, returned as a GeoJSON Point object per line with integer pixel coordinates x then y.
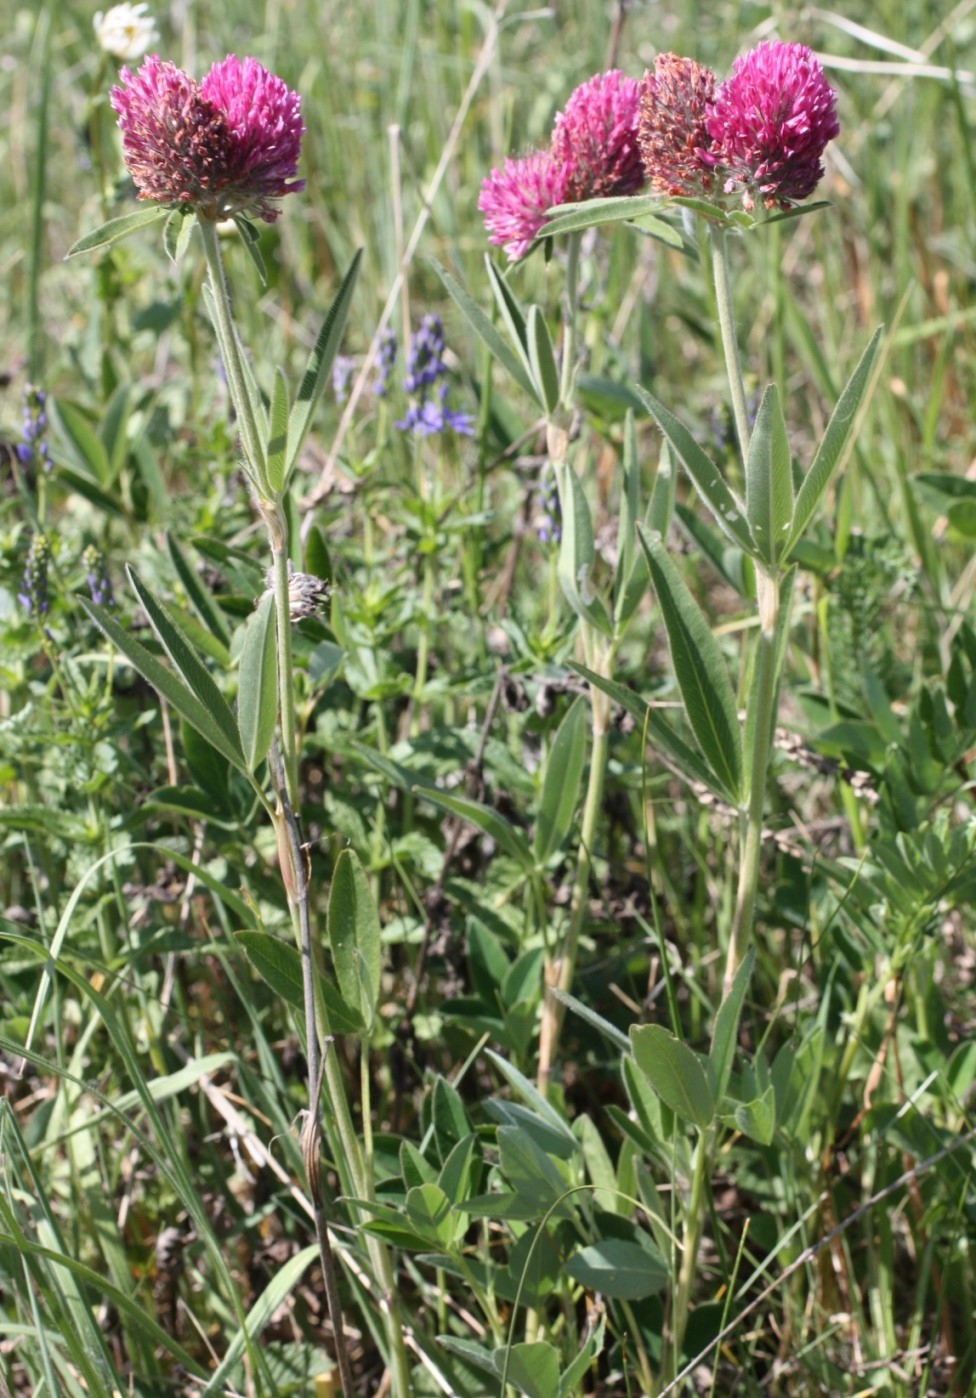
{"type": "Point", "coordinates": [482, 326]}
{"type": "Point", "coordinates": [280, 965]}
{"type": "Point", "coordinates": [279, 1289]}
{"type": "Point", "coordinates": [576, 552]}
{"type": "Point", "coordinates": [769, 480]}
{"type": "Point", "coordinates": [620, 1268]}
{"type": "Point", "coordinates": [675, 1073]}
{"type": "Point", "coordinates": [505, 835]}
{"type": "Point", "coordinates": [542, 358]}
{"type": "Point", "coordinates": [251, 239]}
{"type": "Point", "coordinates": [560, 787]}
{"type": "Point", "coordinates": [116, 229]}
{"type": "Point", "coordinates": [176, 233]}
{"type": "Point", "coordinates": [278, 439]}
{"type": "Point", "coordinates": [630, 581]}
{"type": "Point", "coordinates": [192, 668]}
{"type": "Point", "coordinates": [571, 218]}
{"type": "Point", "coordinates": [354, 935]}
{"type": "Point", "coordinates": [726, 1028]}
{"type": "Point", "coordinates": [659, 732]}
{"type": "Point", "coordinates": [833, 443]}
{"type": "Point", "coordinates": [700, 669]}
{"type": "Point", "coordinates": [257, 692]}
{"type": "Point", "coordinates": [779, 651]}
{"type": "Point", "coordinates": [514, 320]}
{"type": "Point", "coordinates": [320, 362]}
{"type": "Point", "coordinates": [727, 508]}
{"type": "Point", "coordinates": [202, 601]}
{"type": "Point", "coordinates": [168, 685]}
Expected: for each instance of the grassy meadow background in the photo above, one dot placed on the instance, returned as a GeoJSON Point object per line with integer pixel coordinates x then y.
{"type": "Point", "coordinates": [154, 1231]}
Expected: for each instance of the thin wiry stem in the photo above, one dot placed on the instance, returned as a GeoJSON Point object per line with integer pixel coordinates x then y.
{"type": "Point", "coordinates": [296, 853]}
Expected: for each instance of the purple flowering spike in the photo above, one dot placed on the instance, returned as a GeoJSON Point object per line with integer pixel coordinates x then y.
{"type": "Point", "coordinates": [386, 352]}
{"type": "Point", "coordinates": [770, 123]}
{"type": "Point", "coordinates": [426, 382]}
{"type": "Point", "coordinates": [227, 145]}
{"type": "Point", "coordinates": [34, 596]}
{"type": "Point", "coordinates": [594, 141]}
{"type": "Point", "coordinates": [515, 198]}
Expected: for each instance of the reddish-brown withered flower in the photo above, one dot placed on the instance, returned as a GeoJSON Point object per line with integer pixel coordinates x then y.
{"type": "Point", "coordinates": [594, 140]}
{"type": "Point", "coordinates": [229, 144]}
{"type": "Point", "coordinates": [674, 143]}
{"type": "Point", "coordinates": [770, 122]}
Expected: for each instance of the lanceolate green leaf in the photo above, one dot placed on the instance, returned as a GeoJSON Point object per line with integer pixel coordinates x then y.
{"type": "Point", "coordinates": [576, 552]}
{"type": "Point", "coordinates": [481, 325]}
{"type": "Point", "coordinates": [202, 600]}
{"type": "Point", "coordinates": [727, 1026]}
{"type": "Point", "coordinates": [700, 670]}
{"type": "Point", "coordinates": [505, 835]}
{"type": "Point", "coordinates": [257, 690]}
{"type": "Point", "coordinates": [769, 480]}
{"type": "Point", "coordinates": [116, 229]}
{"type": "Point", "coordinates": [354, 935]}
{"type": "Point", "coordinates": [191, 667]}
{"type": "Point", "coordinates": [560, 787]}
{"type": "Point", "coordinates": [659, 731]}
{"type": "Point", "coordinates": [176, 233]}
{"type": "Point", "coordinates": [728, 510]}
{"type": "Point", "coordinates": [675, 1073]}
{"type": "Point", "coordinates": [834, 440]}
{"type": "Point", "coordinates": [278, 441]}
{"type": "Point", "coordinates": [542, 357]}
{"type": "Point", "coordinates": [280, 964]}
{"type": "Point", "coordinates": [630, 581]}
{"type": "Point", "coordinates": [278, 1290]}
{"type": "Point", "coordinates": [572, 218]}
{"type": "Point", "coordinates": [172, 689]}
{"type": "Point", "coordinates": [320, 362]}
{"type": "Point", "coordinates": [514, 319]}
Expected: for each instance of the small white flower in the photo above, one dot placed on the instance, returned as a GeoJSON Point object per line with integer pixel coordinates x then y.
{"type": "Point", "coordinates": [126, 31]}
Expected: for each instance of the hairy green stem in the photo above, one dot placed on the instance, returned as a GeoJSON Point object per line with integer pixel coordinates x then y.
{"type": "Point", "coordinates": [762, 723]}
{"type": "Point", "coordinates": [725, 307]}
{"type": "Point", "coordinates": [278, 532]}
{"type": "Point", "coordinates": [567, 377]}
{"type": "Point", "coordinates": [230, 353]}
{"type": "Point", "coordinates": [562, 968]}
{"type": "Point", "coordinates": [687, 1272]}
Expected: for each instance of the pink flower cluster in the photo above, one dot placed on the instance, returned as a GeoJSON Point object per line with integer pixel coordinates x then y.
{"type": "Point", "coordinates": [228, 144]}
{"type": "Point", "coordinates": [760, 135]}
{"type": "Point", "coordinates": [593, 154]}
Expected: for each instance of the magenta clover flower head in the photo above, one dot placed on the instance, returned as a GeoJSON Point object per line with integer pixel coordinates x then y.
{"type": "Point", "coordinates": [770, 122]}
{"type": "Point", "coordinates": [515, 198]}
{"type": "Point", "coordinates": [229, 144]}
{"type": "Point", "coordinates": [594, 141]}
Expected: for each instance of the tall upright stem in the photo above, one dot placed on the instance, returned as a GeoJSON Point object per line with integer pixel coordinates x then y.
{"type": "Point", "coordinates": [726, 320]}
{"type": "Point", "coordinates": [762, 719]}
{"type": "Point", "coordinates": [567, 376]}
{"type": "Point", "coordinates": [354, 1170]}
{"type": "Point", "coordinates": [688, 1267]}
{"type": "Point", "coordinates": [230, 351]}
{"type": "Point", "coordinates": [562, 968]}
{"type": "Point", "coordinates": [277, 530]}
